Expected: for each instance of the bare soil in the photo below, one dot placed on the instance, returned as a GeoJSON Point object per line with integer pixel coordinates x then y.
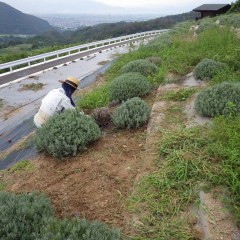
{"type": "Point", "coordinates": [92, 185]}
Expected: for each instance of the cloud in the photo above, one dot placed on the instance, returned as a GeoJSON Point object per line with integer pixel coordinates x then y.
{"type": "Point", "coordinates": [161, 7]}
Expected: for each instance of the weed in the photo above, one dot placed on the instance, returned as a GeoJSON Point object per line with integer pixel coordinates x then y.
{"type": "Point", "coordinates": [1, 102]}
{"type": "Point", "coordinates": [32, 86]}
{"type": "Point", "coordinates": [23, 165]}
{"type": "Point", "coordinates": [98, 97]}
{"type": "Point", "coordinates": [102, 62]}
{"type": "Point", "coordinates": [179, 95]}
{"type": "Point", "coordinates": [1, 186]}
{"type": "Point", "coordinates": [192, 156]}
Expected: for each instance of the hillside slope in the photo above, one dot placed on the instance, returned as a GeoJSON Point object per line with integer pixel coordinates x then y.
{"type": "Point", "coordinates": [13, 21]}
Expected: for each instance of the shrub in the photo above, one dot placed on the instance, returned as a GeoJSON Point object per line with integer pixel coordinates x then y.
{"type": "Point", "coordinates": [77, 229]}
{"type": "Point", "coordinates": [102, 116]}
{"type": "Point", "coordinates": [221, 99]}
{"type": "Point", "coordinates": [127, 86]}
{"type": "Point", "coordinates": [67, 133]}
{"type": "Point", "coordinates": [131, 114]}
{"type": "Point", "coordinates": [207, 69]}
{"type": "Point", "coordinates": [22, 216]}
{"type": "Point", "coordinates": [142, 66]}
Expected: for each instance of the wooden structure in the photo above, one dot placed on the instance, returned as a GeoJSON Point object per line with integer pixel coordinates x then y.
{"type": "Point", "coordinates": [212, 10]}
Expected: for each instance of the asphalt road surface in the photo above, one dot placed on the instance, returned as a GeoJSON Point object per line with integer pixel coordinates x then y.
{"type": "Point", "coordinates": [26, 72]}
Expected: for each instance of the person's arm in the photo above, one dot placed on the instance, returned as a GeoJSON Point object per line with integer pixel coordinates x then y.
{"type": "Point", "coordinates": [65, 104]}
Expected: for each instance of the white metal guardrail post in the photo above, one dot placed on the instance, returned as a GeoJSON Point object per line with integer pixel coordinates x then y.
{"type": "Point", "coordinates": [43, 58]}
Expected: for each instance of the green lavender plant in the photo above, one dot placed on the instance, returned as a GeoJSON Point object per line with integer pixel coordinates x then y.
{"type": "Point", "coordinates": [207, 69]}
{"type": "Point", "coordinates": [75, 228]}
{"type": "Point", "coordinates": [142, 66]}
{"type": "Point", "coordinates": [131, 114]}
{"type": "Point", "coordinates": [127, 86]}
{"type": "Point", "coordinates": [221, 99]}
{"type": "Point", "coordinates": [22, 216]}
{"type": "Point", "coordinates": [67, 133]}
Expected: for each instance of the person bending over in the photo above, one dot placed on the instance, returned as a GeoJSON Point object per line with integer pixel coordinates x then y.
{"type": "Point", "coordinates": [56, 101]}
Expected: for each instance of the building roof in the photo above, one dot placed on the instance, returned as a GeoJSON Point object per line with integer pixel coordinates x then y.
{"type": "Point", "coordinates": [210, 7]}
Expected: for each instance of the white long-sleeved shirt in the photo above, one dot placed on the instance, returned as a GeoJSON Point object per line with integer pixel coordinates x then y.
{"type": "Point", "coordinates": [55, 101]}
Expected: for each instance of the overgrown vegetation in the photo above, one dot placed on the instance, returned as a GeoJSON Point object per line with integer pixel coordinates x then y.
{"type": "Point", "coordinates": [188, 159]}
{"type": "Point", "coordinates": [131, 114]}
{"type": "Point", "coordinates": [66, 134]}
{"type": "Point", "coordinates": [127, 86]}
{"type": "Point", "coordinates": [221, 99]}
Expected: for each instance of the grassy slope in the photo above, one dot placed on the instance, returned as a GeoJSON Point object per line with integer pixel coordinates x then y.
{"type": "Point", "coordinates": [206, 155]}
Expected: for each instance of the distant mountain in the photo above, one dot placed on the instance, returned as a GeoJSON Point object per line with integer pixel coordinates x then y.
{"type": "Point", "coordinates": [13, 21]}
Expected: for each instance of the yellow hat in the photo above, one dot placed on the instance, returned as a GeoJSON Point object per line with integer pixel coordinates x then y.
{"type": "Point", "coordinates": [71, 81]}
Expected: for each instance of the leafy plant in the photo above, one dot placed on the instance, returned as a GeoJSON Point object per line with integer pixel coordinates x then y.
{"type": "Point", "coordinates": [102, 116]}
{"type": "Point", "coordinates": [207, 69]}
{"type": "Point", "coordinates": [142, 66]}
{"type": "Point", "coordinates": [22, 216]}
{"type": "Point", "coordinates": [67, 133]}
{"type": "Point", "coordinates": [127, 86]}
{"type": "Point", "coordinates": [218, 99]}
{"type": "Point", "coordinates": [77, 229]}
{"type": "Point", "coordinates": [131, 114]}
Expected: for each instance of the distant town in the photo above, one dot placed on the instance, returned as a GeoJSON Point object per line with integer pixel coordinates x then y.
{"type": "Point", "coordinates": [75, 21]}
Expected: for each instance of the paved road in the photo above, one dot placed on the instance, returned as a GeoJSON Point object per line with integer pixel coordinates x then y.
{"type": "Point", "coordinates": [26, 72]}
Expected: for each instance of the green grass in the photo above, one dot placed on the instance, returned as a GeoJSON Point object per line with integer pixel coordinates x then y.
{"type": "Point", "coordinates": [188, 158]}
{"type": "Point", "coordinates": [1, 186]}
{"type": "Point", "coordinates": [20, 166]}
{"type": "Point", "coordinates": [179, 95]}
{"type": "Point", "coordinates": [97, 97]}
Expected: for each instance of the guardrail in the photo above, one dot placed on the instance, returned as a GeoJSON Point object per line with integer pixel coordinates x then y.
{"type": "Point", "coordinates": [51, 56]}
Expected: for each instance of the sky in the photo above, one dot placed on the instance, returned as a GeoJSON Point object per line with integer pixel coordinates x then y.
{"type": "Point", "coordinates": [161, 7]}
